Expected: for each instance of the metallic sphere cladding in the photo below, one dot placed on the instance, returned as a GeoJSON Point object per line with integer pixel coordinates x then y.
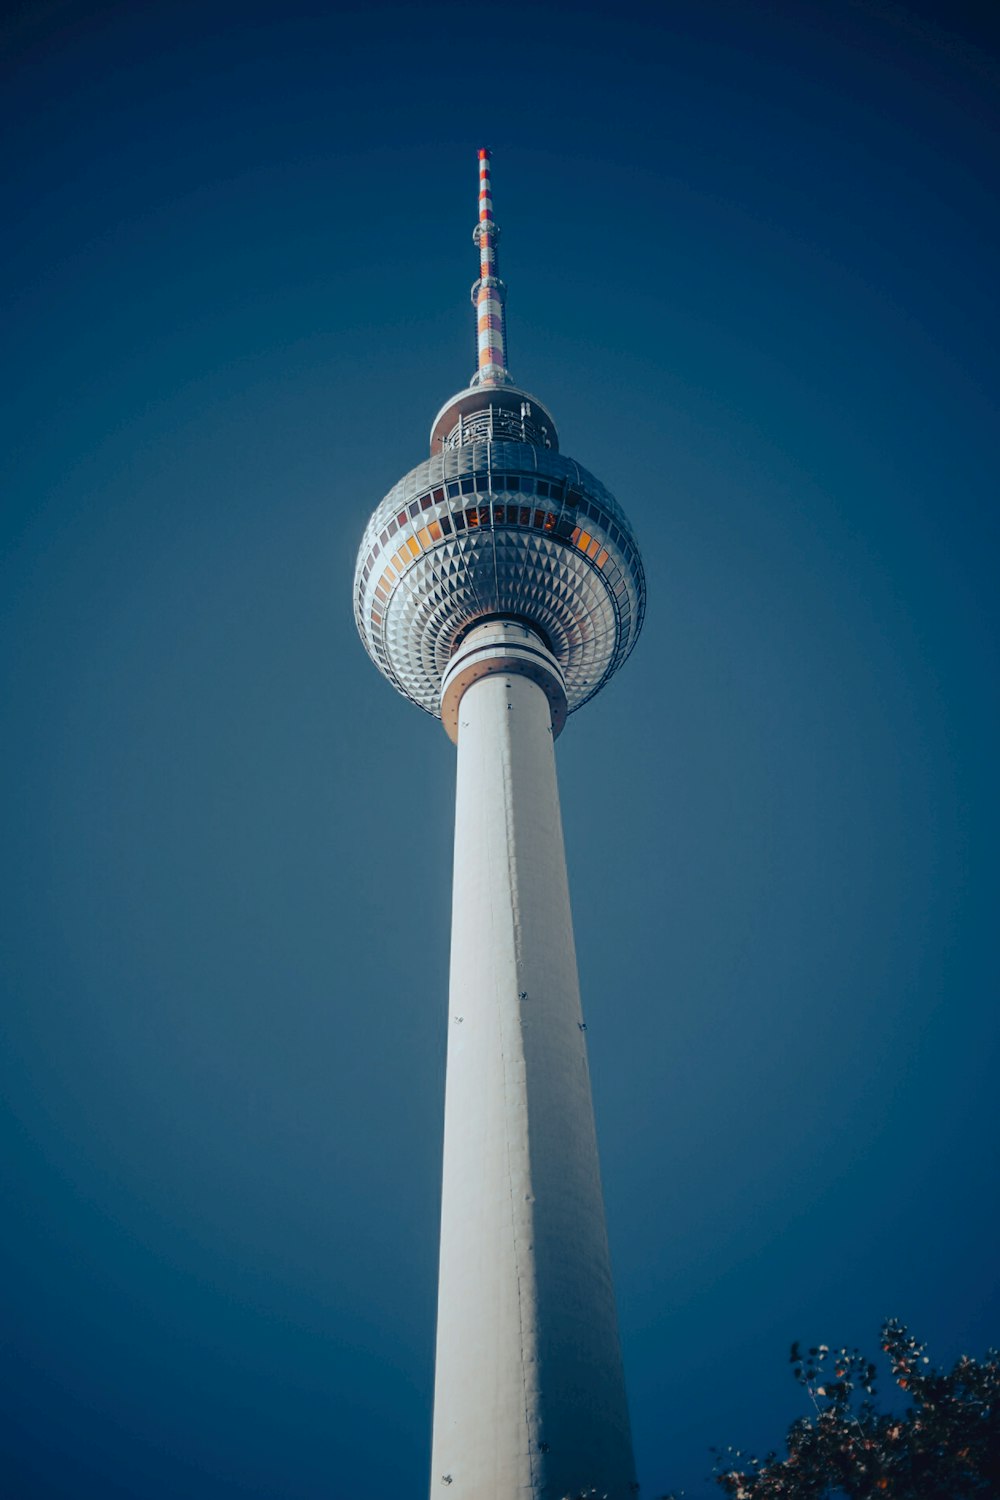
{"type": "Point", "coordinates": [490, 529]}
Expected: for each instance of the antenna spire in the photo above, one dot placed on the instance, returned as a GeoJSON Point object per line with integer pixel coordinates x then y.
{"type": "Point", "coordinates": [489, 293]}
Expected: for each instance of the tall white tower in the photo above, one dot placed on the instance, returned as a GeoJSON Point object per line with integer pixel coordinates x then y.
{"type": "Point", "coordinates": [498, 586]}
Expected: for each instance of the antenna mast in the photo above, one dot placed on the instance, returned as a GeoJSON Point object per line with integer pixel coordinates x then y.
{"type": "Point", "coordinates": [489, 293]}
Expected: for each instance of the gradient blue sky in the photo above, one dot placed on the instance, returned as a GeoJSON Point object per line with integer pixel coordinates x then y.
{"type": "Point", "coordinates": [751, 251]}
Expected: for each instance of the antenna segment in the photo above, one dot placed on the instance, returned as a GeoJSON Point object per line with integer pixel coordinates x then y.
{"type": "Point", "coordinates": [489, 293]}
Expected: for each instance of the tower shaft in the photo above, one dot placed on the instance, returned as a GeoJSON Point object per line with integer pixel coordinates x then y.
{"type": "Point", "coordinates": [529, 1396]}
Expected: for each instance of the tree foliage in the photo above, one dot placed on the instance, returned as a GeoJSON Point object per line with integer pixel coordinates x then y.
{"type": "Point", "coordinates": [944, 1446]}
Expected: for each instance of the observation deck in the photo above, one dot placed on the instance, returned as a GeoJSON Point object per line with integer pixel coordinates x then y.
{"type": "Point", "coordinates": [491, 413]}
{"type": "Point", "coordinates": [498, 529]}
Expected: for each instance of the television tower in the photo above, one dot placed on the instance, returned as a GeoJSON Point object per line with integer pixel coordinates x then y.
{"type": "Point", "coordinates": [498, 586]}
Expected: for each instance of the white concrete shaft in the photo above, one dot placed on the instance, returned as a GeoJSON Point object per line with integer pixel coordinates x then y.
{"type": "Point", "coordinates": [529, 1395]}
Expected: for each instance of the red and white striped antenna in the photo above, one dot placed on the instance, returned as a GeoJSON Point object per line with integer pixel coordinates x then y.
{"type": "Point", "coordinates": [489, 293]}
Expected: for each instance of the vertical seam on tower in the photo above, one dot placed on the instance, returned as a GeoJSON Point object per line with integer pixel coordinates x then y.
{"type": "Point", "coordinates": [511, 872]}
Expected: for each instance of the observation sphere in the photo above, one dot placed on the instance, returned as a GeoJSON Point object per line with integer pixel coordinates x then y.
{"type": "Point", "coordinates": [491, 527]}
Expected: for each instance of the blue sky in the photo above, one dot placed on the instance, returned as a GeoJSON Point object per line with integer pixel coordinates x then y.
{"type": "Point", "coordinates": [751, 255]}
